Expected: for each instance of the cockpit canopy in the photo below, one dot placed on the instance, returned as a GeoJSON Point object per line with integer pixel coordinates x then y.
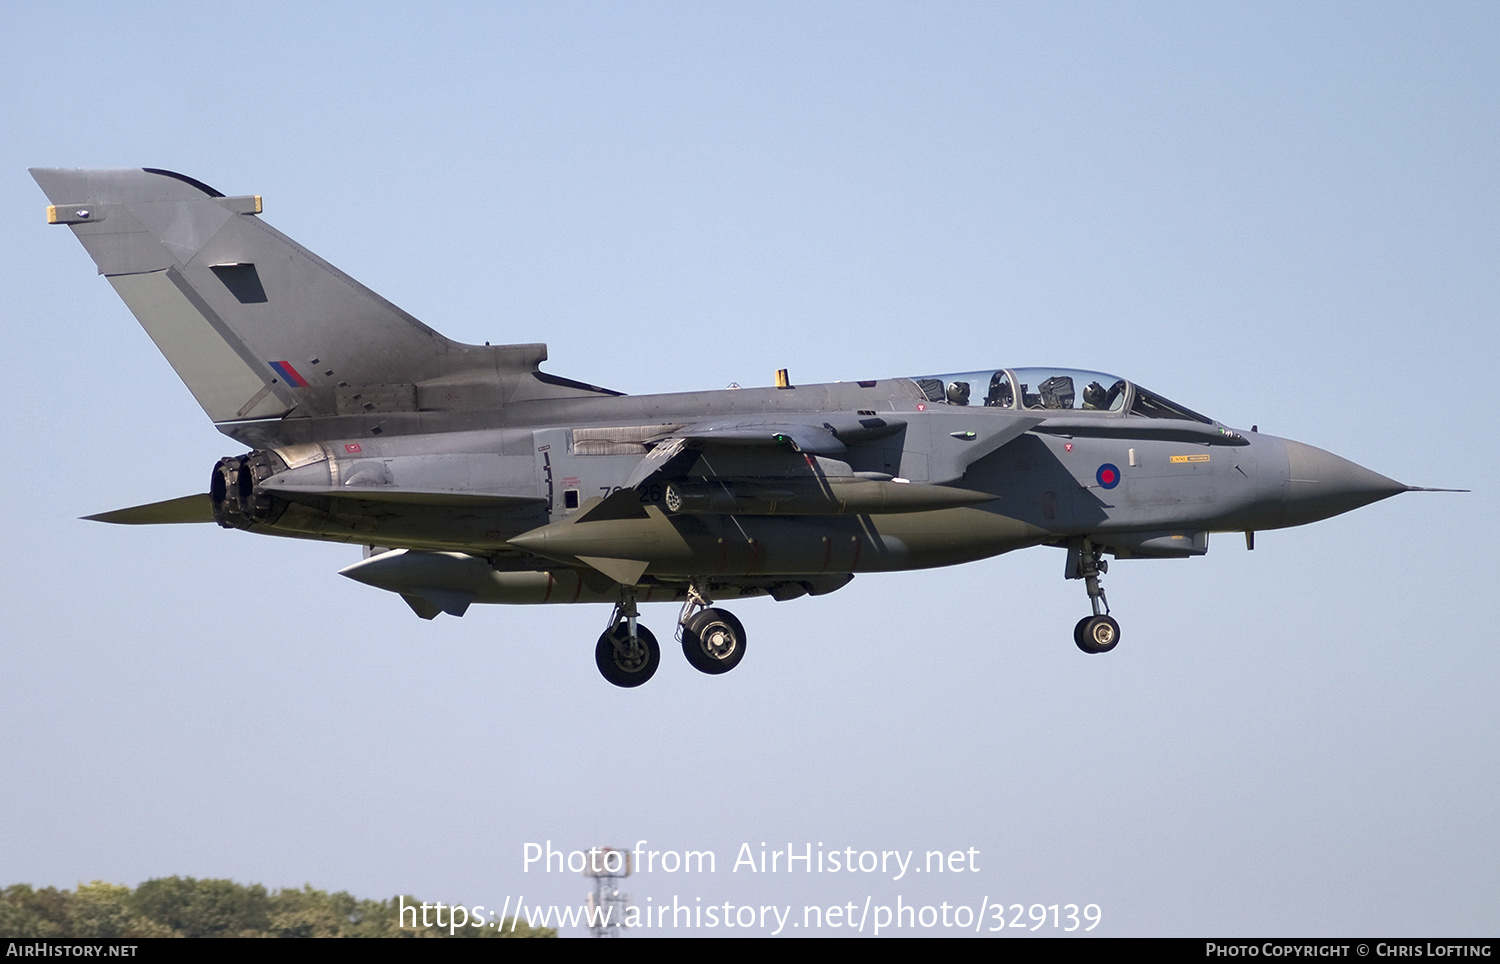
{"type": "Point", "coordinates": [1055, 390]}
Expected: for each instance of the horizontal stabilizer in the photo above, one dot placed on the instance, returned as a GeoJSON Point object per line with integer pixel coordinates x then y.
{"type": "Point", "coordinates": [189, 508]}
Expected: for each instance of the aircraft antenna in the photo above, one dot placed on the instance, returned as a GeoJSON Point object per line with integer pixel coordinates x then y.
{"type": "Point", "coordinates": [606, 904]}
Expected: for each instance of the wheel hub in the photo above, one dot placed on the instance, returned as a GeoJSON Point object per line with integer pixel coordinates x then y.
{"type": "Point", "coordinates": [718, 642]}
{"type": "Point", "coordinates": [629, 655]}
{"type": "Point", "coordinates": [713, 641]}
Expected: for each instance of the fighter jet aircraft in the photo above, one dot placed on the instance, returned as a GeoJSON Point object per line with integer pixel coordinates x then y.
{"type": "Point", "coordinates": [472, 476]}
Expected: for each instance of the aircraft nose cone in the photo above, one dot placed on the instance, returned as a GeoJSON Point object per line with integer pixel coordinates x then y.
{"type": "Point", "coordinates": [1322, 485]}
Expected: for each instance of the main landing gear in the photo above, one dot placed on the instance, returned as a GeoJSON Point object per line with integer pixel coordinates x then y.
{"type": "Point", "coordinates": [628, 655]}
{"type": "Point", "coordinates": [1098, 633]}
{"type": "Point", "coordinates": [712, 639]}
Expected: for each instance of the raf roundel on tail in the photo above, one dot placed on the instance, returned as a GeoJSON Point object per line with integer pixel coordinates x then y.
{"type": "Point", "coordinates": [472, 476]}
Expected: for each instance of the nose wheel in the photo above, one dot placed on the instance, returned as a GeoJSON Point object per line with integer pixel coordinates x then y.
{"type": "Point", "coordinates": [1098, 633]}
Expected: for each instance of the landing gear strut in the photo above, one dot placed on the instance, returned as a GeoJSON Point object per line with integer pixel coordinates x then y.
{"type": "Point", "coordinates": [1098, 633]}
{"type": "Point", "coordinates": [627, 653]}
{"type": "Point", "coordinates": [712, 639]}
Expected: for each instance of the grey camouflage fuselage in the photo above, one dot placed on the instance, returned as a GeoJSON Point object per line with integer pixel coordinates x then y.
{"type": "Point", "coordinates": [473, 476]}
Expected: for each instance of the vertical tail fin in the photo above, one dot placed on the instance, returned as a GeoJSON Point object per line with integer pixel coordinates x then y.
{"type": "Point", "coordinates": [257, 326]}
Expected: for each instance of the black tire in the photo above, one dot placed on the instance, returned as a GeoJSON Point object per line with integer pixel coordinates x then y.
{"type": "Point", "coordinates": [620, 666]}
{"type": "Point", "coordinates": [1080, 639]}
{"type": "Point", "coordinates": [713, 641]}
{"type": "Point", "coordinates": [1097, 634]}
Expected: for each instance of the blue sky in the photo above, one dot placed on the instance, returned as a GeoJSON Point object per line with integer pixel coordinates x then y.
{"type": "Point", "coordinates": [1280, 215]}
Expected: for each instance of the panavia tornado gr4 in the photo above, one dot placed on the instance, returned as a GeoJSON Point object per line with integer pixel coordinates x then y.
{"type": "Point", "coordinates": [472, 476]}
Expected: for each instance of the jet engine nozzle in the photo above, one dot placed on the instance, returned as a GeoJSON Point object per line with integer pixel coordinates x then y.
{"type": "Point", "coordinates": [235, 493]}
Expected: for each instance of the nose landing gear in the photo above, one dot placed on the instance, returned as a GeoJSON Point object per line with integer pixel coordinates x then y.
{"type": "Point", "coordinates": [1098, 633]}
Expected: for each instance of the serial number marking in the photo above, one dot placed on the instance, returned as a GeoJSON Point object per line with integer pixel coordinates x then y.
{"type": "Point", "coordinates": [649, 494]}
